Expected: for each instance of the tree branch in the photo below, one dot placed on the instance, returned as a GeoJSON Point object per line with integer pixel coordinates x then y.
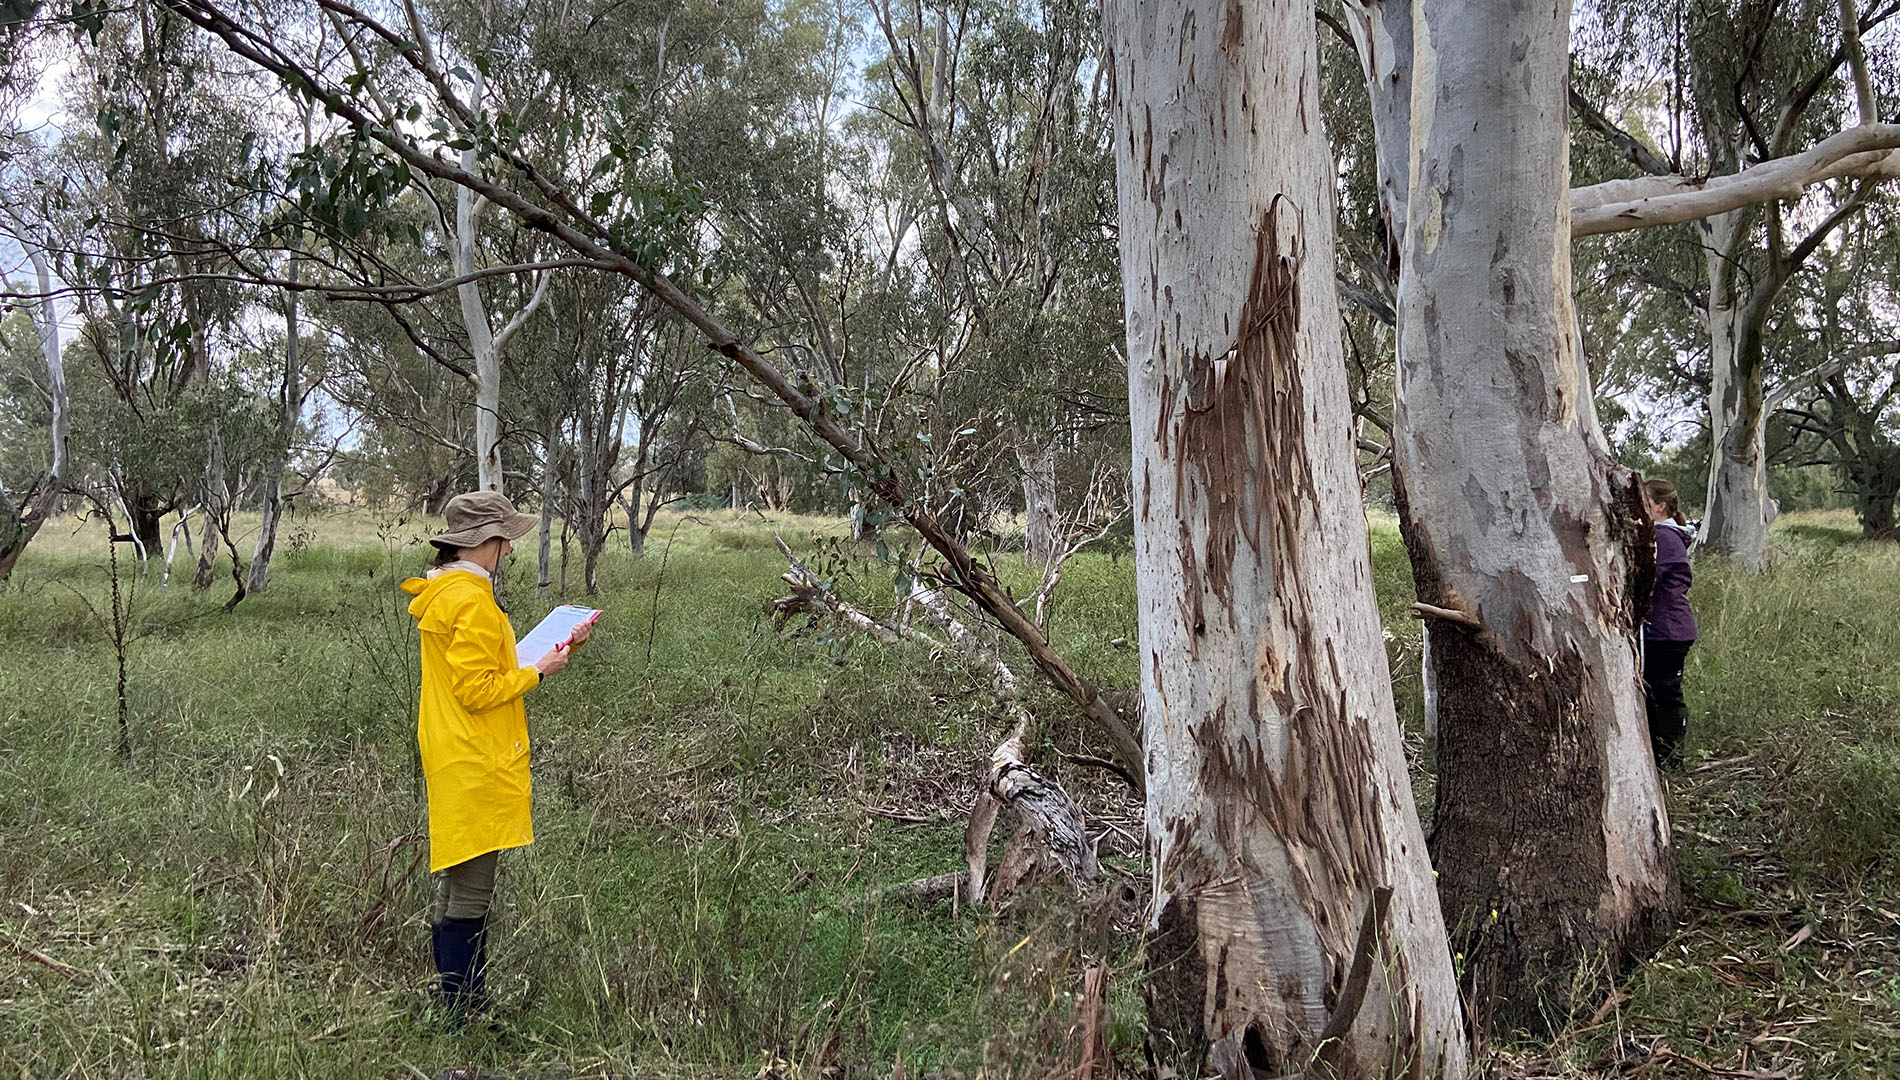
{"type": "Point", "coordinates": [542, 280]}
{"type": "Point", "coordinates": [962, 568]}
{"type": "Point", "coordinates": [1633, 150]}
{"type": "Point", "coordinates": [1862, 152]}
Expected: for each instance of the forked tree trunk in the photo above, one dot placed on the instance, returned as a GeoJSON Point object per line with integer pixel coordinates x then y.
{"type": "Point", "coordinates": [1735, 517]}
{"type": "Point", "coordinates": [42, 498]}
{"type": "Point", "coordinates": [292, 403]}
{"type": "Point", "coordinates": [1550, 835]}
{"type": "Point", "coordinates": [1278, 801]}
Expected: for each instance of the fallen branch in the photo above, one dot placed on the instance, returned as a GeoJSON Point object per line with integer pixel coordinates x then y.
{"type": "Point", "coordinates": [41, 958]}
{"type": "Point", "coordinates": [1047, 811]}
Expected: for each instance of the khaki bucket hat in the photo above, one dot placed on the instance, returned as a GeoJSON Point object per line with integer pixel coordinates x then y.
{"type": "Point", "coordinates": [478, 516]}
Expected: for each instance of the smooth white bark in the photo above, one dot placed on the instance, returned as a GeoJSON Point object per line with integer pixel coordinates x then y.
{"type": "Point", "coordinates": [1863, 152]}
{"type": "Point", "coordinates": [484, 342]}
{"type": "Point", "coordinates": [42, 499]}
{"type": "Point", "coordinates": [1278, 801]}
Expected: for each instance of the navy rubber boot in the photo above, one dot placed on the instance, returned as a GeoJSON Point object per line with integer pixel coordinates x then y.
{"type": "Point", "coordinates": [459, 964]}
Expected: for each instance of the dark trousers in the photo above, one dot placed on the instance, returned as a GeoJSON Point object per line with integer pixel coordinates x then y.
{"type": "Point", "coordinates": [1662, 695]}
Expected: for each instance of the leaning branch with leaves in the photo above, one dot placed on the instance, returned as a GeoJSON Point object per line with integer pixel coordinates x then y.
{"type": "Point", "coordinates": [556, 211]}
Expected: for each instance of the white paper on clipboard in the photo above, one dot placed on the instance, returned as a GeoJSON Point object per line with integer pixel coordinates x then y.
{"type": "Point", "coordinates": [553, 630]}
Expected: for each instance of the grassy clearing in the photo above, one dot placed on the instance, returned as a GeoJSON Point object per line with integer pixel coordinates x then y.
{"type": "Point", "coordinates": [720, 810]}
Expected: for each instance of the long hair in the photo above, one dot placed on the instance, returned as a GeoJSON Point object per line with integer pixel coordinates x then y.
{"type": "Point", "coordinates": [444, 554]}
{"type": "Point", "coordinates": [1663, 494]}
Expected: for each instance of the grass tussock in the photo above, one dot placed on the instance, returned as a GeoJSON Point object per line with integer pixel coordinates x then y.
{"type": "Point", "coordinates": [723, 810]}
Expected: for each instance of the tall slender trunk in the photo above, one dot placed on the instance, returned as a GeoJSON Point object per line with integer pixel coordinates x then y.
{"type": "Point", "coordinates": [1735, 515]}
{"type": "Point", "coordinates": [544, 566]}
{"type": "Point", "coordinates": [1037, 460]}
{"type": "Point", "coordinates": [481, 339]}
{"type": "Point", "coordinates": [1278, 801]}
{"type": "Point", "coordinates": [292, 403]}
{"type": "Point", "coordinates": [1526, 540]}
{"type": "Point", "coordinates": [596, 506]}
{"type": "Point", "coordinates": [42, 498]}
{"type": "Point", "coordinates": [638, 498]}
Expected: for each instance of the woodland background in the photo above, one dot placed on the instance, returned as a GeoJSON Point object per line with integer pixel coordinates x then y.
{"type": "Point", "coordinates": [261, 355]}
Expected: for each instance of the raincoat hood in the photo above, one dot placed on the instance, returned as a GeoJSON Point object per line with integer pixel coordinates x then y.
{"type": "Point", "coordinates": [428, 590]}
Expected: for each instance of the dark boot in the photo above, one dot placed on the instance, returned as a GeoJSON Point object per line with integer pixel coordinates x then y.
{"type": "Point", "coordinates": [1666, 738]}
{"type": "Point", "coordinates": [459, 965]}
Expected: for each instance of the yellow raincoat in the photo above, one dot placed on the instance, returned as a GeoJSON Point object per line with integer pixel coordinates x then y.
{"type": "Point", "coordinates": [472, 726]}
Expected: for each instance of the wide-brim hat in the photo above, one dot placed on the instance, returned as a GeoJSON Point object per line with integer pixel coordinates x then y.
{"type": "Point", "coordinates": [476, 517]}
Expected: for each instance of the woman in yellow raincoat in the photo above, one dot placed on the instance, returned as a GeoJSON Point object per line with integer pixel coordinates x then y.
{"type": "Point", "coordinates": [473, 731]}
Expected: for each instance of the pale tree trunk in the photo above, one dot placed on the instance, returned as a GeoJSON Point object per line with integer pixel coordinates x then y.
{"type": "Point", "coordinates": [1278, 803]}
{"type": "Point", "coordinates": [41, 499]}
{"type": "Point", "coordinates": [217, 498]}
{"type": "Point", "coordinates": [481, 342]}
{"type": "Point", "coordinates": [1734, 517]}
{"type": "Point", "coordinates": [544, 567]}
{"type": "Point", "coordinates": [1037, 459]}
{"type": "Point", "coordinates": [182, 525]}
{"type": "Point", "coordinates": [1524, 535]}
{"type": "Point", "coordinates": [293, 408]}
{"type": "Point", "coordinates": [484, 343]}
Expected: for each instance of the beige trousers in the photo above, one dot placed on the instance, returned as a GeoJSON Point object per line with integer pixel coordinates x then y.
{"type": "Point", "coordinates": [465, 890]}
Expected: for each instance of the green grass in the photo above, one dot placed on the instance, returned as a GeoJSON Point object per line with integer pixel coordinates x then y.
{"type": "Point", "coordinates": [710, 887]}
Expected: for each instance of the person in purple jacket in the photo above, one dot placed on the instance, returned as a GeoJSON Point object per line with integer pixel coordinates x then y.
{"type": "Point", "coordinates": [1670, 628]}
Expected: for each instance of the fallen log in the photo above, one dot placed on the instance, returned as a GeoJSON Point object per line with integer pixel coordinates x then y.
{"type": "Point", "coordinates": [1047, 812]}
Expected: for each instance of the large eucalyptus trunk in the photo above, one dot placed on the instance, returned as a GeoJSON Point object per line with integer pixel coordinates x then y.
{"type": "Point", "coordinates": [1527, 542]}
{"type": "Point", "coordinates": [145, 513]}
{"type": "Point", "coordinates": [1278, 803]}
{"type": "Point", "coordinates": [1735, 516]}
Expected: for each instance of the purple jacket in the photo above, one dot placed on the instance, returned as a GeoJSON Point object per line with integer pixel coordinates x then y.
{"type": "Point", "coordinates": [1670, 617]}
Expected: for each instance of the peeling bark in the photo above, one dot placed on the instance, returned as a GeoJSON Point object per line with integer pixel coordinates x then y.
{"type": "Point", "coordinates": [1735, 519]}
{"type": "Point", "coordinates": [1278, 803]}
{"type": "Point", "coordinates": [1526, 540]}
